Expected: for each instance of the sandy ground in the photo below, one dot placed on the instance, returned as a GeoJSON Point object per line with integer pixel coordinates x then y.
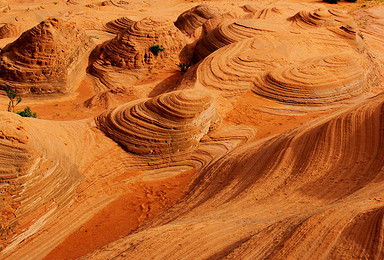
{"type": "Point", "coordinates": [269, 146]}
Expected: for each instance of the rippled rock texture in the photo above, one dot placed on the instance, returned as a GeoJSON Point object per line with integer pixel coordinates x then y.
{"type": "Point", "coordinates": [10, 30]}
{"type": "Point", "coordinates": [229, 32]}
{"type": "Point", "coordinates": [118, 25]}
{"type": "Point", "coordinates": [270, 146]}
{"type": "Point", "coordinates": [37, 175]}
{"type": "Point", "coordinates": [167, 124]}
{"type": "Point", "coordinates": [321, 18]}
{"type": "Point", "coordinates": [194, 18]}
{"type": "Point", "coordinates": [129, 54]}
{"type": "Point", "coordinates": [326, 63]}
{"type": "Point", "coordinates": [315, 81]}
{"type": "Point", "coordinates": [44, 59]}
{"type": "Point", "coordinates": [300, 195]}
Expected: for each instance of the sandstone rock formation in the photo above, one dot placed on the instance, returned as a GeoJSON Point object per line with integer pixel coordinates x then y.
{"type": "Point", "coordinates": [194, 18]}
{"type": "Point", "coordinates": [299, 195]}
{"type": "Point", "coordinates": [167, 124]}
{"type": "Point", "coordinates": [372, 27]}
{"type": "Point", "coordinates": [37, 175]}
{"type": "Point", "coordinates": [269, 147]}
{"type": "Point", "coordinates": [119, 25]}
{"type": "Point", "coordinates": [315, 81]}
{"type": "Point", "coordinates": [126, 57]}
{"type": "Point", "coordinates": [10, 30]}
{"type": "Point", "coordinates": [231, 32]}
{"type": "Point", "coordinates": [44, 59]}
{"type": "Point", "coordinates": [259, 54]}
{"type": "Point", "coordinates": [321, 18]}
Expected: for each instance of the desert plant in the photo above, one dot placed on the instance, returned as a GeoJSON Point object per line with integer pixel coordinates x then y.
{"type": "Point", "coordinates": [156, 49]}
{"type": "Point", "coordinates": [184, 66]}
{"type": "Point", "coordinates": [13, 100]}
{"type": "Point", "coordinates": [27, 112]}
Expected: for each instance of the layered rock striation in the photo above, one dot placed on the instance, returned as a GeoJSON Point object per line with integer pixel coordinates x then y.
{"type": "Point", "coordinates": [45, 59]}
{"type": "Point", "coordinates": [170, 123]}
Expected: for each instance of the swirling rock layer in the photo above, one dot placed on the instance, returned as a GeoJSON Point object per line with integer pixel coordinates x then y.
{"type": "Point", "coordinates": [299, 195]}
{"type": "Point", "coordinates": [264, 13]}
{"type": "Point", "coordinates": [371, 23]}
{"type": "Point", "coordinates": [119, 25]}
{"type": "Point", "coordinates": [273, 181]}
{"type": "Point", "coordinates": [321, 18]}
{"type": "Point", "coordinates": [231, 32]}
{"type": "Point", "coordinates": [166, 124]}
{"type": "Point", "coordinates": [130, 51]}
{"type": "Point", "coordinates": [315, 81]}
{"type": "Point", "coordinates": [195, 17]}
{"type": "Point", "coordinates": [10, 30]}
{"type": "Point", "coordinates": [35, 176]}
{"type": "Point", "coordinates": [44, 59]}
{"type": "Point", "coordinates": [319, 66]}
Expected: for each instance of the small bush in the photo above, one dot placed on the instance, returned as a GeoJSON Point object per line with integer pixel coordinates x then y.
{"type": "Point", "coordinates": [13, 100]}
{"type": "Point", "coordinates": [184, 66]}
{"type": "Point", "coordinates": [156, 49]}
{"type": "Point", "coordinates": [27, 113]}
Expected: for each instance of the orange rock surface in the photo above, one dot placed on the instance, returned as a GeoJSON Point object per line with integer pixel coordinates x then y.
{"type": "Point", "coordinates": [256, 132]}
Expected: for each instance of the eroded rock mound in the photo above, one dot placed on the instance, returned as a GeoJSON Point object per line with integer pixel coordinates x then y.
{"type": "Point", "coordinates": [131, 48]}
{"type": "Point", "coordinates": [169, 123]}
{"type": "Point", "coordinates": [10, 30]}
{"type": "Point", "coordinates": [195, 17]}
{"type": "Point", "coordinates": [129, 54]}
{"type": "Point", "coordinates": [261, 13]}
{"type": "Point", "coordinates": [119, 25]}
{"type": "Point", "coordinates": [231, 32]}
{"type": "Point", "coordinates": [312, 193]}
{"type": "Point", "coordinates": [34, 174]}
{"type": "Point", "coordinates": [286, 64]}
{"type": "Point", "coordinates": [117, 3]}
{"type": "Point", "coordinates": [320, 18]}
{"type": "Point", "coordinates": [226, 72]}
{"type": "Point", "coordinates": [315, 81]}
{"type": "Point", "coordinates": [44, 59]}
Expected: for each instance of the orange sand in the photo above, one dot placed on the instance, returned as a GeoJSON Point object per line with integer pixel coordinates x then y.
{"type": "Point", "coordinates": [122, 216]}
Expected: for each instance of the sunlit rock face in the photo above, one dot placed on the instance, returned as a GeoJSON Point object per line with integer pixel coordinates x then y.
{"type": "Point", "coordinates": [44, 59]}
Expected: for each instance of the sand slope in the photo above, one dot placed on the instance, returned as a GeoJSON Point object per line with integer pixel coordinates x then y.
{"type": "Point", "coordinates": [309, 193]}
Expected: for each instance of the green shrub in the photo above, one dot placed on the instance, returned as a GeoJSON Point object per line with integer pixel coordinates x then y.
{"type": "Point", "coordinates": [156, 49]}
{"type": "Point", "coordinates": [27, 113]}
{"type": "Point", "coordinates": [184, 66]}
{"type": "Point", "coordinates": [13, 100]}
